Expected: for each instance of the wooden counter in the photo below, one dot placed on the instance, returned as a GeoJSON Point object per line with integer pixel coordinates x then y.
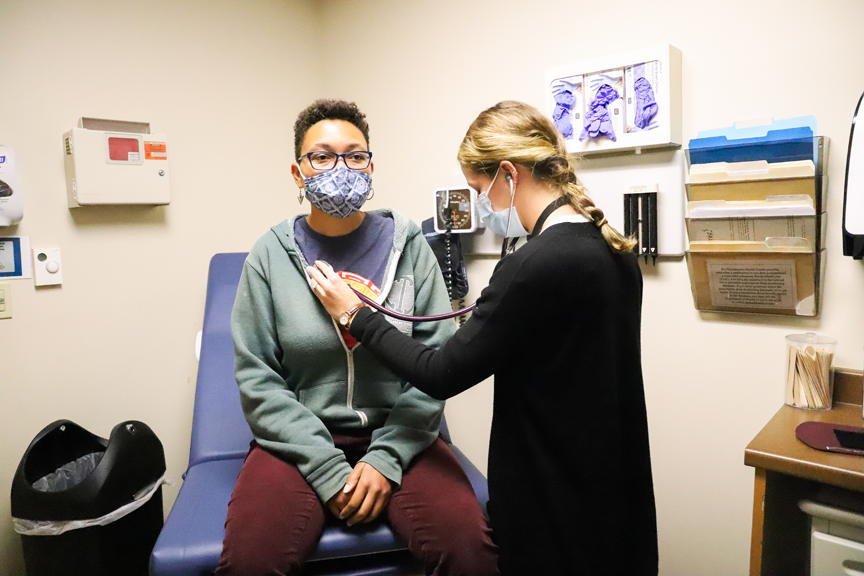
{"type": "Point", "coordinates": [787, 471]}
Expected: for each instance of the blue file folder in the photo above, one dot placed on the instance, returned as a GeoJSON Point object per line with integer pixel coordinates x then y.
{"type": "Point", "coordinates": [780, 141]}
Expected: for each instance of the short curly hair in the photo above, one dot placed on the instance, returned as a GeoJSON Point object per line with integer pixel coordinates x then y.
{"type": "Point", "coordinates": [327, 109]}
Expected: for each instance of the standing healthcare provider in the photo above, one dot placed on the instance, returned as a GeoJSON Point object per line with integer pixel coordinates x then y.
{"type": "Point", "coordinates": [570, 480]}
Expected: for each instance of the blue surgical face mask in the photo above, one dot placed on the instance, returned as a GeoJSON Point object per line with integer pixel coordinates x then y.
{"type": "Point", "coordinates": [339, 192]}
{"type": "Point", "coordinates": [504, 223]}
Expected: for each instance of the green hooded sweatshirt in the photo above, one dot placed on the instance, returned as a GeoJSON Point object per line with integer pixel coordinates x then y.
{"type": "Point", "coordinates": [298, 379]}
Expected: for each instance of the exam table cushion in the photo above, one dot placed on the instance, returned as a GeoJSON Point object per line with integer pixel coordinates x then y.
{"type": "Point", "coordinates": [191, 541]}
{"type": "Point", "coordinates": [219, 428]}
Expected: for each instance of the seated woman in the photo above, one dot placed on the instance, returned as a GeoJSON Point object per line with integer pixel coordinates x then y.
{"type": "Point", "coordinates": [334, 429]}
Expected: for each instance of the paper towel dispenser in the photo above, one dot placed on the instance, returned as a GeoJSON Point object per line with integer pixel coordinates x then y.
{"type": "Point", "coordinates": [11, 205]}
{"type": "Point", "coordinates": [115, 162]}
{"type": "Point", "coordinates": [853, 198]}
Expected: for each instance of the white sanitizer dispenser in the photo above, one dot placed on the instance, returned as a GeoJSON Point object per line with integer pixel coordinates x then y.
{"type": "Point", "coordinates": [853, 201]}
{"type": "Point", "coordinates": [11, 206]}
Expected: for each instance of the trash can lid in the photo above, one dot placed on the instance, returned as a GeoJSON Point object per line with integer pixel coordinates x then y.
{"type": "Point", "coordinates": [132, 459]}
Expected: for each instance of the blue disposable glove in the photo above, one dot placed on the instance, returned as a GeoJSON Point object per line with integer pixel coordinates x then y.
{"type": "Point", "coordinates": [597, 119]}
{"type": "Point", "coordinates": [564, 101]}
{"type": "Point", "coordinates": [646, 105]}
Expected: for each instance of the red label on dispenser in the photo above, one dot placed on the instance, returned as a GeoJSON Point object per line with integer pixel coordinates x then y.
{"type": "Point", "coordinates": [123, 149]}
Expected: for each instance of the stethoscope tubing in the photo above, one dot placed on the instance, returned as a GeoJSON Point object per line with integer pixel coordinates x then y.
{"type": "Point", "coordinates": [407, 318]}
{"type": "Point", "coordinates": [504, 249]}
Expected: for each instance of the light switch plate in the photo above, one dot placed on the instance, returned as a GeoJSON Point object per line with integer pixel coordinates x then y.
{"type": "Point", "coordinates": [5, 300]}
{"type": "Point", "coordinates": [47, 267]}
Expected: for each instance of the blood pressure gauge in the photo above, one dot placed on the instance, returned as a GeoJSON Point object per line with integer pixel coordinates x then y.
{"type": "Point", "coordinates": [458, 205]}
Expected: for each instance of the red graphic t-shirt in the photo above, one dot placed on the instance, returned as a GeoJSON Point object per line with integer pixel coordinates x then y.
{"type": "Point", "coordinates": [365, 287]}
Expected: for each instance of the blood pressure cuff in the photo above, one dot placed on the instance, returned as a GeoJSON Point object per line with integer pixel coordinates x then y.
{"type": "Point", "coordinates": [458, 287]}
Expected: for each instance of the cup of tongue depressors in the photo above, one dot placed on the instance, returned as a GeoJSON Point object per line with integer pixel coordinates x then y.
{"type": "Point", "coordinates": [809, 374]}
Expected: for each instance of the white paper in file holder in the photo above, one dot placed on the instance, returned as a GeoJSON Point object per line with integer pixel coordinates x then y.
{"type": "Point", "coordinates": [752, 283]}
{"type": "Point", "coordinates": [756, 229]}
{"type": "Point", "coordinates": [778, 276]}
{"type": "Point", "coordinates": [772, 244]}
{"type": "Point", "coordinates": [755, 170]}
{"type": "Point", "coordinates": [797, 205]}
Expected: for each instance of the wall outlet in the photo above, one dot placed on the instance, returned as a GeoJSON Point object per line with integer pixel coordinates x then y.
{"type": "Point", "coordinates": [5, 300]}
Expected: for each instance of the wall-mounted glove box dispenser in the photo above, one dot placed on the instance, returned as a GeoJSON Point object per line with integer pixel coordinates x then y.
{"type": "Point", "coordinates": [756, 223]}
{"type": "Point", "coordinates": [626, 102]}
{"type": "Point", "coordinates": [115, 162]}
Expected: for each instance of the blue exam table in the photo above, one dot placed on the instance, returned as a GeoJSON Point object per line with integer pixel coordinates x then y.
{"type": "Point", "coordinates": [191, 541]}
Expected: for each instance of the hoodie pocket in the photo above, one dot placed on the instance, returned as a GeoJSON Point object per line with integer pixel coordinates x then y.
{"type": "Point", "coordinates": [325, 399]}
{"type": "Point", "coordinates": [380, 395]}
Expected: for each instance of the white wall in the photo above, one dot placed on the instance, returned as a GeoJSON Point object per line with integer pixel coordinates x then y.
{"type": "Point", "coordinates": [225, 81]}
{"type": "Point", "coordinates": [712, 381]}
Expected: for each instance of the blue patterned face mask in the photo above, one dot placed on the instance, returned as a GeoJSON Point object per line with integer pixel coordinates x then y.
{"type": "Point", "coordinates": [339, 192]}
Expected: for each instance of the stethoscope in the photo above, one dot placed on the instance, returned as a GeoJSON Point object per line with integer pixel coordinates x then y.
{"type": "Point", "coordinates": [554, 205]}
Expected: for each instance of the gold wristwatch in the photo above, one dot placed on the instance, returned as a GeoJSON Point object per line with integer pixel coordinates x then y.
{"type": "Point", "coordinates": [346, 317]}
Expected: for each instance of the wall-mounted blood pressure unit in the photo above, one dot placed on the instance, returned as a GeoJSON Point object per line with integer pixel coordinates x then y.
{"type": "Point", "coordinates": [454, 210]}
{"type": "Point", "coordinates": [11, 205]}
{"type": "Point", "coordinates": [115, 162]}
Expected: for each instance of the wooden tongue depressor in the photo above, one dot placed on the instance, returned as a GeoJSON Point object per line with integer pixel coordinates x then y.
{"type": "Point", "coordinates": [790, 376]}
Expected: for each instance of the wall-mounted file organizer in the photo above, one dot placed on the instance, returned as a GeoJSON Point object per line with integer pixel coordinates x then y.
{"type": "Point", "coordinates": [756, 224]}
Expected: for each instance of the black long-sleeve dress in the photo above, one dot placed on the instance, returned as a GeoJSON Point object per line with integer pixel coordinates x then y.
{"type": "Point", "coordinates": [569, 465]}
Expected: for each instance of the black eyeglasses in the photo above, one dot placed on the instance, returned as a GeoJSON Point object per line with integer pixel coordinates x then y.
{"type": "Point", "coordinates": [323, 160]}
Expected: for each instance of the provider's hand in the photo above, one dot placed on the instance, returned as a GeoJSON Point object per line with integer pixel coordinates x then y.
{"type": "Point", "coordinates": [370, 493]}
{"type": "Point", "coordinates": [331, 290]}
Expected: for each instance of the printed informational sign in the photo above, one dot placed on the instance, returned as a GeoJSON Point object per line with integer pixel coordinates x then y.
{"type": "Point", "coordinates": [753, 283]}
{"type": "Point", "coordinates": [15, 257]}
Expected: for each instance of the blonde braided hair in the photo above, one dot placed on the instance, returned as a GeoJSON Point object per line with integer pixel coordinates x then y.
{"type": "Point", "coordinates": [520, 133]}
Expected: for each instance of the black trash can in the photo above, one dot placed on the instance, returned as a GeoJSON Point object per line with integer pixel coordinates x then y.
{"type": "Point", "coordinates": [89, 506]}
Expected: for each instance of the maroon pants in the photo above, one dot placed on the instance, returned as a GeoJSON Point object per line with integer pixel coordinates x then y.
{"type": "Point", "coordinates": [275, 519]}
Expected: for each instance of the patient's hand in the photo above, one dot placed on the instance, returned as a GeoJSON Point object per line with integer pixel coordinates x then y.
{"type": "Point", "coordinates": [338, 502]}
{"type": "Point", "coordinates": [369, 492]}
{"type": "Point", "coordinates": [331, 290]}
